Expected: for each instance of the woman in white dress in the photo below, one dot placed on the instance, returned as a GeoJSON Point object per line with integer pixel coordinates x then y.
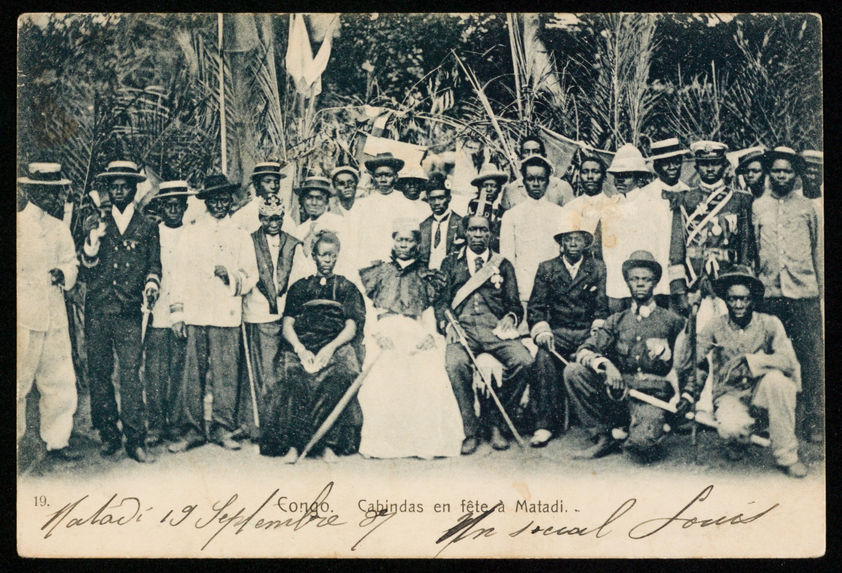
{"type": "Point", "coordinates": [407, 402]}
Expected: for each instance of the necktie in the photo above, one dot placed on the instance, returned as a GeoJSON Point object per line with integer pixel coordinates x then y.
{"type": "Point", "coordinates": [478, 262]}
{"type": "Point", "coordinates": [437, 237]}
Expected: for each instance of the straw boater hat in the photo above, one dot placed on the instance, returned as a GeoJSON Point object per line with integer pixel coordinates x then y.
{"type": "Point", "coordinates": [536, 160]}
{"type": "Point", "coordinates": [415, 172]}
{"type": "Point", "coordinates": [125, 169]}
{"type": "Point", "coordinates": [813, 156]}
{"type": "Point", "coordinates": [216, 183]}
{"type": "Point", "coordinates": [628, 159]}
{"type": "Point", "coordinates": [739, 274]}
{"type": "Point", "coordinates": [567, 228]}
{"type": "Point", "coordinates": [642, 259]}
{"type": "Point", "coordinates": [344, 169]}
{"type": "Point", "coordinates": [165, 190]}
{"type": "Point", "coordinates": [382, 159]}
{"type": "Point", "coordinates": [755, 154]}
{"type": "Point", "coordinates": [44, 174]}
{"type": "Point", "coordinates": [708, 150]}
{"type": "Point", "coordinates": [267, 168]}
{"type": "Point", "coordinates": [317, 183]}
{"type": "Point", "coordinates": [490, 171]}
{"type": "Point", "coordinates": [787, 153]}
{"type": "Point", "coordinates": [667, 148]}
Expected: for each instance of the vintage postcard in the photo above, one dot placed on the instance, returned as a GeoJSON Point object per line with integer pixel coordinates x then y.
{"type": "Point", "coordinates": [420, 285]}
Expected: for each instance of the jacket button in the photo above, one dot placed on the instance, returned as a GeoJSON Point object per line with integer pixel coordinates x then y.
{"type": "Point", "coordinates": [114, 283]}
{"type": "Point", "coordinates": [116, 265]}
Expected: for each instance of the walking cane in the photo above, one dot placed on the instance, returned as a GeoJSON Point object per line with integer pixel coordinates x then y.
{"type": "Point", "coordinates": [464, 342]}
{"type": "Point", "coordinates": [251, 377]}
{"type": "Point", "coordinates": [338, 409]}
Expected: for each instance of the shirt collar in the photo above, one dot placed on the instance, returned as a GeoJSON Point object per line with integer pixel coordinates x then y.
{"type": "Point", "coordinates": [643, 310]}
{"type": "Point", "coordinates": [122, 219]}
{"type": "Point", "coordinates": [443, 218]}
{"type": "Point", "coordinates": [734, 326]}
{"type": "Point", "coordinates": [715, 187]}
{"type": "Point", "coordinates": [572, 267]}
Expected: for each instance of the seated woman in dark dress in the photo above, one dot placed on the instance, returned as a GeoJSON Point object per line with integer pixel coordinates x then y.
{"type": "Point", "coordinates": [320, 358]}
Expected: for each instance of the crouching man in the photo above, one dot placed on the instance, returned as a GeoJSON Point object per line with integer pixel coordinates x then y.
{"type": "Point", "coordinates": [635, 348]}
{"type": "Point", "coordinates": [754, 366]}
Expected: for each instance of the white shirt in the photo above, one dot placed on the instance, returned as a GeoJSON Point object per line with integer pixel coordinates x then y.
{"type": "Point", "coordinates": [655, 210]}
{"type": "Point", "coordinates": [585, 211]}
{"type": "Point", "coordinates": [438, 254]}
{"type": "Point", "coordinates": [123, 219]}
{"type": "Point", "coordinates": [255, 306]}
{"type": "Point", "coordinates": [573, 269]}
{"type": "Point", "coordinates": [170, 240]}
{"type": "Point", "coordinates": [206, 300]}
{"type": "Point", "coordinates": [472, 259]}
{"type": "Point", "coordinates": [373, 218]}
{"type": "Point", "coordinates": [526, 239]}
{"type": "Point", "coordinates": [43, 243]}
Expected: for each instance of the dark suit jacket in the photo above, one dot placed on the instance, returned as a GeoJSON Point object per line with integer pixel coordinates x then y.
{"type": "Point", "coordinates": [455, 235]}
{"type": "Point", "coordinates": [269, 271]}
{"type": "Point", "coordinates": [501, 301]}
{"type": "Point", "coordinates": [116, 276]}
{"type": "Point", "coordinates": [565, 302]}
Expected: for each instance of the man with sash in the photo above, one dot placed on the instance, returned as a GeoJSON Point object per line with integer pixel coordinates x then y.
{"type": "Point", "coordinates": [711, 227]}
{"type": "Point", "coordinates": [278, 255]}
{"type": "Point", "coordinates": [481, 291]}
{"type": "Point", "coordinates": [121, 266]}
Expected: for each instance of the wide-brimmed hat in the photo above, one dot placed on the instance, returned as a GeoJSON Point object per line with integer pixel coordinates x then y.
{"type": "Point", "coordinates": [813, 156]}
{"type": "Point", "coordinates": [490, 171]}
{"type": "Point", "coordinates": [667, 148]}
{"type": "Point", "coordinates": [317, 183]}
{"type": "Point", "coordinates": [216, 183]}
{"type": "Point", "coordinates": [568, 228]}
{"type": "Point", "coordinates": [413, 172]}
{"type": "Point", "coordinates": [40, 173]}
{"type": "Point", "coordinates": [176, 188]}
{"type": "Point", "coordinates": [643, 259]}
{"type": "Point", "coordinates": [267, 168]}
{"type": "Point", "coordinates": [536, 160]}
{"type": "Point", "coordinates": [753, 154]}
{"type": "Point", "coordinates": [707, 150]}
{"type": "Point", "coordinates": [739, 274]}
{"type": "Point", "coordinates": [382, 159]}
{"type": "Point", "coordinates": [344, 169]}
{"type": "Point", "coordinates": [787, 153]}
{"type": "Point", "coordinates": [628, 159]}
{"type": "Point", "coordinates": [126, 169]}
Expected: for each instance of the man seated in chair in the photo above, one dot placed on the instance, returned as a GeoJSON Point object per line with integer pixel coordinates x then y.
{"type": "Point", "coordinates": [753, 365]}
{"type": "Point", "coordinates": [568, 300]}
{"type": "Point", "coordinates": [635, 348]}
{"type": "Point", "coordinates": [481, 292]}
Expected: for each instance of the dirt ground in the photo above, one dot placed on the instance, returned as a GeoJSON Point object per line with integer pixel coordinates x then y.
{"type": "Point", "coordinates": [707, 456]}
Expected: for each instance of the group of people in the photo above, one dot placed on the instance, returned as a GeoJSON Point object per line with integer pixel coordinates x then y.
{"type": "Point", "coordinates": [392, 326]}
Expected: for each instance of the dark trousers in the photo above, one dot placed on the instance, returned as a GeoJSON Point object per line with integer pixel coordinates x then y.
{"type": "Point", "coordinates": [164, 382]}
{"type": "Point", "coordinates": [547, 396]}
{"type": "Point", "coordinates": [802, 320]}
{"type": "Point", "coordinates": [264, 342]}
{"type": "Point", "coordinates": [598, 413]}
{"type": "Point", "coordinates": [105, 334]}
{"type": "Point", "coordinates": [516, 361]}
{"type": "Point", "coordinates": [211, 364]}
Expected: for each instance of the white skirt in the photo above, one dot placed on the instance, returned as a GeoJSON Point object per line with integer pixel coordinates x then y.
{"type": "Point", "coordinates": [408, 405]}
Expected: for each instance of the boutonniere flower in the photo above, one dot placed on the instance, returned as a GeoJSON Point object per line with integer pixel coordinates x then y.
{"type": "Point", "coordinates": [496, 279]}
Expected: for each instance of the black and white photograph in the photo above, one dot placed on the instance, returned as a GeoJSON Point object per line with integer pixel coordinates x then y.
{"type": "Point", "coordinates": [420, 285]}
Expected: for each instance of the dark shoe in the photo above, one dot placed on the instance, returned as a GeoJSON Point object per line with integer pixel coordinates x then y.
{"type": "Point", "coordinates": [140, 454]}
{"type": "Point", "coordinates": [110, 446]}
{"type": "Point", "coordinates": [65, 454]}
{"type": "Point", "coordinates": [796, 470]}
{"type": "Point", "coordinates": [498, 442]}
{"type": "Point", "coordinates": [469, 446]}
{"type": "Point", "coordinates": [184, 444]}
{"type": "Point", "coordinates": [228, 443]}
{"type": "Point", "coordinates": [604, 445]}
{"type": "Point", "coordinates": [735, 451]}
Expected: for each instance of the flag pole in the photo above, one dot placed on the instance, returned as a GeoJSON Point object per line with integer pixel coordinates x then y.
{"type": "Point", "coordinates": [223, 136]}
